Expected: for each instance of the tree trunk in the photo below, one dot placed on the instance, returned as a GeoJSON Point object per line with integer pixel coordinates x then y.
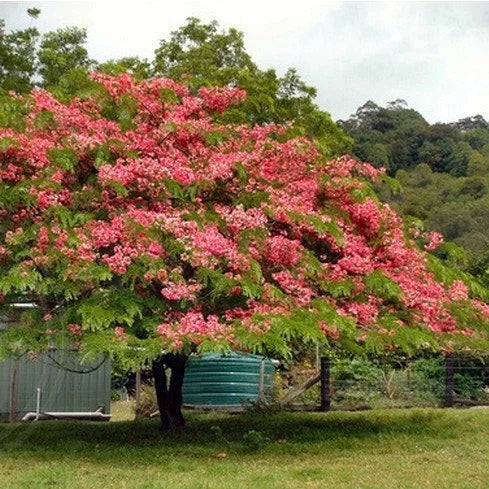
{"type": "Point", "coordinates": [170, 399]}
{"type": "Point", "coordinates": [177, 365]}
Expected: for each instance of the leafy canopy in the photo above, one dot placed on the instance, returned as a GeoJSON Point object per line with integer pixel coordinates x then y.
{"type": "Point", "coordinates": [137, 217]}
{"type": "Point", "coordinates": [399, 138]}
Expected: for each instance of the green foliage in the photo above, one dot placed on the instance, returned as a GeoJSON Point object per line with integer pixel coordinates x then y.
{"type": "Point", "coordinates": [320, 226]}
{"type": "Point", "coordinates": [454, 254]}
{"type": "Point", "coordinates": [254, 441]}
{"type": "Point", "coordinates": [218, 57]}
{"type": "Point", "coordinates": [398, 138]}
{"type": "Point", "coordinates": [140, 69]}
{"type": "Point", "coordinates": [392, 184]}
{"type": "Point", "coordinates": [343, 288]}
{"type": "Point", "coordinates": [382, 286]}
{"type": "Point", "coordinates": [17, 58]}
{"type": "Point", "coordinates": [26, 56]}
{"type": "Point", "coordinates": [365, 382]}
{"type": "Point", "coordinates": [19, 279]}
{"type": "Point", "coordinates": [126, 357]}
{"type": "Point", "coordinates": [65, 158]}
{"type": "Point", "coordinates": [218, 284]}
{"type": "Point", "coordinates": [61, 51]}
{"type": "Point", "coordinates": [177, 191]}
{"type": "Point", "coordinates": [110, 307]}
{"type": "Point", "coordinates": [12, 112]}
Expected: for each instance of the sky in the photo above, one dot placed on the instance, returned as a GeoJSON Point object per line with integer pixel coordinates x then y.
{"type": "Point", "coordinates": [431, 54]}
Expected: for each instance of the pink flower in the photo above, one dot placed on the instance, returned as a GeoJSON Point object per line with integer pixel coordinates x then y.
{"type": "Point", "coordinates": [458, 291]}
{"type": "Point", "coordinates": [120, 332]}
{"type": "Point", "coordinates": [280, 250]}
{"type": "Point", "coordinates": [435, 240]}
{"type": "Point", "coordinates": [331, 331]}
{"type": "Point", "coordinates": [75, 329]}
{"type": "Point", "coordinates": [175, 292]}
{"type": "Point", "coordinates": [219, 98]}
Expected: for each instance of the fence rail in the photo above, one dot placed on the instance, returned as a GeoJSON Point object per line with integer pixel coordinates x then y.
{"type": "Point", "coordinates": [438, 381]}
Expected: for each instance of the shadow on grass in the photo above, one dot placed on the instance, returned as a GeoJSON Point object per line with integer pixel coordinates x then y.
{"type": "Point", "coordinates": [292, 433]}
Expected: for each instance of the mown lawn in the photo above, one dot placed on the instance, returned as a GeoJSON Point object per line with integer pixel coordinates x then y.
{"type": "Point", "coordinates": [396, 449]}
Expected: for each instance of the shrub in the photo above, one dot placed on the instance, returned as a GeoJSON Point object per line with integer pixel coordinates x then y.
{"type": "Point", "coordinates": [147, 401]}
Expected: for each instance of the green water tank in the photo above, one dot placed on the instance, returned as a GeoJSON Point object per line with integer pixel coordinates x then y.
{"type": "Point", "coordinates": [227, 381]}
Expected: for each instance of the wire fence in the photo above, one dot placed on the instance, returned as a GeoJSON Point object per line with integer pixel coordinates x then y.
{"type": "Point", "coordinates": [426, 382]}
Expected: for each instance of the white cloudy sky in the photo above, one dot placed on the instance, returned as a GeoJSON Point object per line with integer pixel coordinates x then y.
{"type": "Point", "coordinates": [432, 54]}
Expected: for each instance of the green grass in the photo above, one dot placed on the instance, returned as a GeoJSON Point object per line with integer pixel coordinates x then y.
{"type": "Point", "coordinates": [396, 449]}
{"type": "Point", "coordinates": [122, 411]}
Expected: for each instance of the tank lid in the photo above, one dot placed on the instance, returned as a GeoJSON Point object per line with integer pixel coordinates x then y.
{"type": "Point", "coordinates": [232, 355]}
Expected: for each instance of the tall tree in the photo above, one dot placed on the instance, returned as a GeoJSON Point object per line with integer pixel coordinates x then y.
{"type": "Point", "coordinates": [61, 51]}
{"type": "Point", "coordinates": [399, 138]}
{"type": "Point", "coordinates": [139, 68]}
{"type": "Point", "coordinates": [139, 222]}
{"type": "Point", "coordinates": [389, 136]}
{"type": "Point", "coordinates": [17, 58]}
{"type": "Point", "coordinates": [211, 56]}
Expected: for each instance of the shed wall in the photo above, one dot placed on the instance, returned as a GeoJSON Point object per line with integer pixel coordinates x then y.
{"type": "Point", "coordinates": [61, 389]}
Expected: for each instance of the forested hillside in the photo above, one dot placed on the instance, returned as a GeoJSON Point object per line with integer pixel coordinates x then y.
{"type": "Point", "coordinates": [443, 170]}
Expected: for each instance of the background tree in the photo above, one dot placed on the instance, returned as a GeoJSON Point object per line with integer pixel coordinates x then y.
{"type": "Point", "coordinates": [455, 206]}
{"type": "Point", "coordinates": [61, 51]}
{"type": "Point", "coordinates": [398, 138]}
{"type": "Point", "coordinates": [17, 58]}
{"type": "Point", "coordinates": [139, 68]}
{"type": "Point", "coordinates": [211, 56]}
{"type": "Point", "coordinates": [27, 58]}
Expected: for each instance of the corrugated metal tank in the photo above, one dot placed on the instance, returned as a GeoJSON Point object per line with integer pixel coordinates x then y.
{"type": "Point", "coordinates": [227, 381]}
{"type": "Point", "coordinates": [66, 384]}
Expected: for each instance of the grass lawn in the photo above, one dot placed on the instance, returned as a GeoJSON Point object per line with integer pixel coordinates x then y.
{"type": "Point", "coordinates": [395, 449]}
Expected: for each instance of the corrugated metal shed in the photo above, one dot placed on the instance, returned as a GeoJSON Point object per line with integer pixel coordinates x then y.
{"type": "Point", "coordinates": [66, 384]}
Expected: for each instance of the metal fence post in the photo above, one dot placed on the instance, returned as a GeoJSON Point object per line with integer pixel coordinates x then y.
{"type": "Point", "coordinates": [13, 394]}
{"type": "Point", "coordinates": [449, 380]}
{"type": "Point", "coordinates": [325, 386]}
{"type": "Point", "coordinates": [138, 394]}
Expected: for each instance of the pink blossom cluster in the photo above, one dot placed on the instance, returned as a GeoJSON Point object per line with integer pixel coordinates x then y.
{"type": "Point", "coordinates": [237, 218]}
{"type": "Point", "coordinates": [435, 239]}
{"type": "Point", "coordinates": [365, 313]}
{"type": "Point", "coordinates": [194, 327]}
{"type": "Point", "coordinates": [219, 98]}
{"type": "Point", "coordinates": [280, 250]}
{"type": "Point", "coordinates": [178, 291]}
{"type": "Point", "coordinates": [331, 331]}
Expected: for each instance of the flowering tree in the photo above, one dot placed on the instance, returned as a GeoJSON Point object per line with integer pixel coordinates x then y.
{"type": "Point", "coordinates": [140, 224]}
